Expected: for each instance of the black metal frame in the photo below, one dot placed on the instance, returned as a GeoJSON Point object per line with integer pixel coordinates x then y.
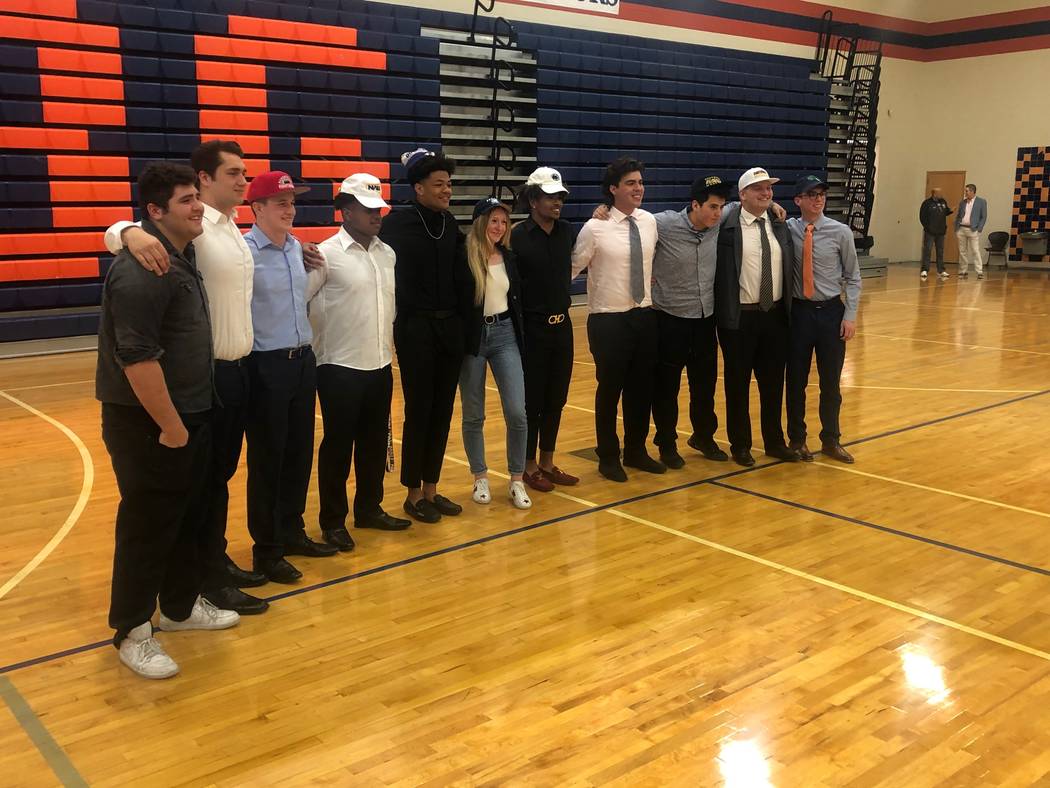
{"type": "Point", "coordinates": [497, 64]}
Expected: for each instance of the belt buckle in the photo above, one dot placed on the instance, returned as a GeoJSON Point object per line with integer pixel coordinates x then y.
{"type": "Point", "coordinates": [556, 319]}
{"type": "Point", "coordinates": [490, 320]}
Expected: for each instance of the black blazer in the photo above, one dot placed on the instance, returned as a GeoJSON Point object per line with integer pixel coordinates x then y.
{"type": "Point", "coordinates": [476, 319]}
{"type": "Point", "coordinates": [727, 267]}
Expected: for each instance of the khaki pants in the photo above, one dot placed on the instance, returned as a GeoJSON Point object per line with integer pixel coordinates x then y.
{"type": "Point", "coordinates": [969, 248]}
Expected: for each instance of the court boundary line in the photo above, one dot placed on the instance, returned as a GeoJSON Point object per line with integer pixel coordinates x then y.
{"type": "Point", "coordinates": [53, 754]}
{"type": "Point", "coordinates": [33, 661]}
{"type": "Point", "coordinates": [73, 517]}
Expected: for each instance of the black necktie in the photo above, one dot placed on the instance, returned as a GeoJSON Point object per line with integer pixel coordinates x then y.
{"type": "Point", "coordinates": [765, 286]}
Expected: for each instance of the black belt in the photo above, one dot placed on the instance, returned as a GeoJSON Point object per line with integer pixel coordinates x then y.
{"type": "Point", "coordinates": [491, 320]}
{"type": "Point", "coordinates": [289, 352]}
{"type": "Point", "coordinates": [816, 304]}
{"type": "Point", "coordinates": [436, 314]}
{"type": "Point", "coordinates": [235, 363]}
{"type": "Point", "coordinates": [758, 307]}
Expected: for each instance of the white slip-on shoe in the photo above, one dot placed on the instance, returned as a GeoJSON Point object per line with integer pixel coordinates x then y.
{"type": "Point", "coordinates": [518, 496]}
{"type": "Point", "coordinates": [144, 654]}
{"type": "Point", "coordinates": [482, 494]}
{"type": "Point", "coordinates": [203, 616]}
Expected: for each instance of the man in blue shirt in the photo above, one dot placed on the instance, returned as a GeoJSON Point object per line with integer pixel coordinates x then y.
{"type": "Point", "coordinates": [825, 256]}
{"type": "Point", "coordinates": [283, 382]}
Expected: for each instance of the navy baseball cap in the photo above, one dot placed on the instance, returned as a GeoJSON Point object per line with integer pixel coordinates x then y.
{"type": "Point", "coordinates": [488, 205]}
{"type": "Point", "coordinates": [809, 183]}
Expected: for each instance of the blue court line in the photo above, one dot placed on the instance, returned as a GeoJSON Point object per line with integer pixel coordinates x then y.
{"type": "Point", "coordinates": [714, 480]}
{"type": "Point", "coordinates": [54, 755]}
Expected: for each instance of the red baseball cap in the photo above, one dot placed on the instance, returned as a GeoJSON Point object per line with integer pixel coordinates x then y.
{"type": "Point", "coordinates": [272, 183]}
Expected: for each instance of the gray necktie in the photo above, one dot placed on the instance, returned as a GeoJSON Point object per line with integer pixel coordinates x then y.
{"type": "Point", "coordinates": [765, 286]}
{"type": "Point", "coordinates": [637, 271]}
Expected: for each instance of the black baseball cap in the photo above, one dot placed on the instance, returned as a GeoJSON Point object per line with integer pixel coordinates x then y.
{"type": "Point", "coordinates": [709, 184]}
{"type": "Point", "coordinates": [810, 182]}
{"type": "Point", "coordinates": [486, 206]}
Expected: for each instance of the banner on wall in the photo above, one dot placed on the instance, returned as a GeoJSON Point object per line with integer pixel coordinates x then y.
{"type": "Point", "coordinates": [598, 6]}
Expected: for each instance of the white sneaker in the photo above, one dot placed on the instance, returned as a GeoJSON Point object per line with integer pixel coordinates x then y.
{"type": "Point", "coordinates": [481, 491]}
{"type": "Point", "coordinates": [943, 274]}
{"type": "Point", "coordinates": [203, 616]}
{"type": "Point", "coordinates": [144, 654]}
{"type": "Point", "coordinates": [922, 275]}
{"type": "Point", "coordinates": [980, 276]}
{"type": "Point", "coordinates": [518, 496]}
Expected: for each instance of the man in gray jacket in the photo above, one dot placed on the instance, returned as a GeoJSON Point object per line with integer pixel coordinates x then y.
{"type": "Point", "coordinates": [969, 222]}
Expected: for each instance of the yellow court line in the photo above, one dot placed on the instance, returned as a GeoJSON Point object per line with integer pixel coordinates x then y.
{"type": "Point", "coordinates": [954, 344]}
{"type": "Point", "coordinates": [74, 515]}
{"type": "Point", "coordinates": [50, 385]}
{"type": "Point", "coordinates": [957, 391]}
{"type": "Point", "coordinates": [856, 592]}
{"type": "Point", "coordinates": [957, 306]}
{"type": "Point", "coordinates": [926, 488]}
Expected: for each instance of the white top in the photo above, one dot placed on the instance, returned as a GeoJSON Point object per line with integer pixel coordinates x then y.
{"type": "Point", "coordinates": [227, 268]}
{"type": "Point", "coordinates": [351, 302]}
{"type": "Point", "coordinates": [604, 249]}
{"type": "Point", "coordinates": [965, 221]}
{"type": "Point", "coordinates": [751, 259]}
{"type": "Point", "coordinates": [497, 285]}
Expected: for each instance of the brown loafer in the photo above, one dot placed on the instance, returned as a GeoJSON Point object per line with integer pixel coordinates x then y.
{"type": "Point", "coordinates": [558, 476]}
{"type": "Point", "coordinates": [538, 481]}
{"type": "Point", "coordinates": [836, 452]}
{"type": "Point", "coordinates": [802, 449]}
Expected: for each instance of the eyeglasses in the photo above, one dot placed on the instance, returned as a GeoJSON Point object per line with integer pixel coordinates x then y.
{"type": "Point", "coordinates": [815, 195]}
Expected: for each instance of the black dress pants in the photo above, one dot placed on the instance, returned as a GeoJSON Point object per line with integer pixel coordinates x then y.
{"type": "Point", "coordinates": [280, 446]}
{"type": "Point", "coordinates": [690, 344]}
{"type": "Point", "coordinates": [816, 326]}
{"type": "Point", "coordinates": [233, 386]}
{"type": "Point", "coordinates": [624, 346]}
{"type": "Point", "coordinates": [163, 500]}
{"type": "Point", "coordinates": [759, 345]}
{"type": "Point", "coordinates": [548, 371]}
{"type": "Point", "coordinates": [355, 407]}
{"type": "Point", "coordinates": [429, 356]}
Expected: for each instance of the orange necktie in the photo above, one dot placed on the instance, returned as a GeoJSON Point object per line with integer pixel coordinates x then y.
{"type": "Point", "coordinates": [807, 263]}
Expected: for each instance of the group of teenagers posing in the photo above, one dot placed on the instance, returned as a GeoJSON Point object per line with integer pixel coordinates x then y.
{"type": "Point", "coordinates": [209, 336]}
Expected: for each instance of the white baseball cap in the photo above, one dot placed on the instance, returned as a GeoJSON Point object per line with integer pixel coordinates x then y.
{"type": "Point", "coordinates": [364, 188]}
{"type": "Point", "coordinates": [753, 176]}
{"type": "Point", "coordinates": [548, 179]}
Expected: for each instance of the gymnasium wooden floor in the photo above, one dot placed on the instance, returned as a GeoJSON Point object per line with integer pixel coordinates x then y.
{"type": "Point", "coordinates": [882, 624]}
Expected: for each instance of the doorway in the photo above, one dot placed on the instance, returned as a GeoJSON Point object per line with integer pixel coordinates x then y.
{"type": "Point", "coordinates": [951, 183]}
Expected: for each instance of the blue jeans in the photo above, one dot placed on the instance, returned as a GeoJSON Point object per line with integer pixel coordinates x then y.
{"type": "Point", "coordinates": [499, 349]}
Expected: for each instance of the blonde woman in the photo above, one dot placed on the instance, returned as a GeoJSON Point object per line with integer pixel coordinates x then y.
{"type": "Point", "coordinates": [494, 339]}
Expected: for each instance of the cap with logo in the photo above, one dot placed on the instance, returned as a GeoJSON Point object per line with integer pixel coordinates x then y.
{"type": "Point", "coordinates": [810, 182]}
{"type": "Point", "coordinates": [364, 188]}
{"type": "Point", "coordinates": [753, 176]}
{"type": "Point", "coordinates": [486, 206]}
{"type": "Point", "coordinates": [548, 179]}
{"type": "Point", "coordinates": [272, 184]}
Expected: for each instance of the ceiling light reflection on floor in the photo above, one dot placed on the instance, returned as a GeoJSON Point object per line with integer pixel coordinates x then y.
{"type": "Point", "coordinates": [743, 765]}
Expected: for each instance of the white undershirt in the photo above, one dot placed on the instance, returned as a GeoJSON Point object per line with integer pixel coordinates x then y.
{"type": "Point", "coordinates": [497, 285]}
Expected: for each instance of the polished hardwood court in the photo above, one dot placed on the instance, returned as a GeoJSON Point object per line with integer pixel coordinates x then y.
{"type": "Point", "coordinates": [881, 624]}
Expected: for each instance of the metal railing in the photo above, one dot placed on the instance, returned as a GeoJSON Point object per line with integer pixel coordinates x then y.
{"type": "Point", "coordinates": [504, 38]}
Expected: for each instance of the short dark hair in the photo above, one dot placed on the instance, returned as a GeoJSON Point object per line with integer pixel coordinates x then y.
{"type": "Point", "coordinates": [700, 191]}
{"type": "Point", "coordinates": [343, 200]}
{"type": "Point", "coordinates": [971, 186]}
{"type": "Point", "coordinates": [157, 183]}
{"type": "Point", "coordinates": [208, 156]}
{"type": "Point", "coordinates": [614, 174]}
{"type": "Point", "coordinates": [439, 162]}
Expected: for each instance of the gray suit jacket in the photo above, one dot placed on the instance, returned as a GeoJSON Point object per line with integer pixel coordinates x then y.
{"type": "Point", "coordinates": [978, 214]}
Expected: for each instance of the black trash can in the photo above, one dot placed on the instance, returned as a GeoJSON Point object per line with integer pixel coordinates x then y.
{"type": "Point", "coordinates": [1033, 244]}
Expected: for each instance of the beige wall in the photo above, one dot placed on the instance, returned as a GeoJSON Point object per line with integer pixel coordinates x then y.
{"type": "Point", "coordinates": [934, 10]}
{"type": "Point", "coordinates": [970, 114]}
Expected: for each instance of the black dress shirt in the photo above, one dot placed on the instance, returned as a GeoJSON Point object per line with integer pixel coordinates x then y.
{"type": "Point", "coordinates": [430, 273]}
{"type": "Point", "coordinates": [545, 265]}
{"type": "Point", "coordinates": [146, 317]}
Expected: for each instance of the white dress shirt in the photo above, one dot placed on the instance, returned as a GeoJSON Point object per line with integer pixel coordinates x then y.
{"type": "Point", "coordinates": [965, 221]}
{"type": "Point", "coordinates": [226, 265]}
{"type": "Point", "coordinates": [604, 249]}
{"type": "Point", "coordinates": [352, 303]}
{"type": "Point", "coordinates": [751, 259]}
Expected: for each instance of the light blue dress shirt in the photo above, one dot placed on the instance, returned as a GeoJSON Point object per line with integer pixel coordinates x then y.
{"type": "Point", "coordinates": [279, 293]}
{"type": "Point", "coordinates": [834, 261]}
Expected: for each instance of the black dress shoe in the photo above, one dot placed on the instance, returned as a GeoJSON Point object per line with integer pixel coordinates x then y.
{"type": "Point", "coordinates": [445, 506]}
{"type": "Point", "coordinates": [836, 452]}
{"type": "Point", "coordinates": [709, 449]}
{"type": "Point", "coordinates": [339, 538]}
{"type": "Point", "coordinates": [802, 449]}
{"type": "Point", "coordinates": [743, 458]}
{"type": "Point", "coordinates": [782, 453]}
{"type": "Point", "coordinates": [304, 545]}
{"type": "Point", "coordinates": [643, 462]}
{"type": "Point", "coordinates": [672, 459]}
{"type": "Point", "coordinates": [231, 598]}
{"type": "Point", "coordinates": [382, 522]}
{"type": "Point", "coordinates": [422, 510]}
{"type": "Point", "coordinates": [612, 470]}
{"type": "Point", "coordinates": [242, 578]}
{"type": "Point", "coordinates": [277, 570]}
